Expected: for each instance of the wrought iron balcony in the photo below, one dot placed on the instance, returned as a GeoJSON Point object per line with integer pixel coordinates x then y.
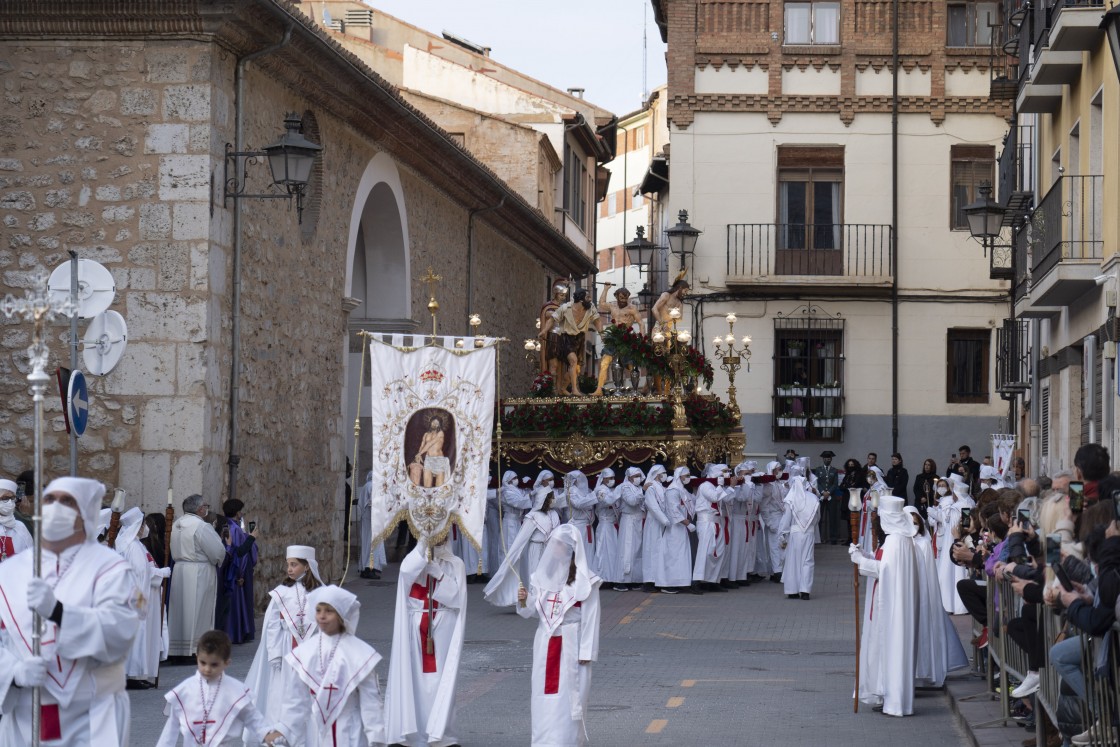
{"type": "Point", "coordinates": [1016, 177]}
{"type": "Point", "coordinates": [1013, 361]}
{"type": "Point", "coordinates": [817, 254]}
{"type": "Point", "coordinates": [1066, 240]}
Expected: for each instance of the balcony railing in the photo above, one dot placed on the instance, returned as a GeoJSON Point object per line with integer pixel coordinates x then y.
{"type": "Point", "coordinates": [851, 250]}
{"type": "Point", "coordinates": [1067, 223]}
{"type": "Point", "coordinates": [1016, 177]}
{"type": "Point", "coordinates": [1021, 244]}
{"type": "Point", "coordinates": [1013, 365]}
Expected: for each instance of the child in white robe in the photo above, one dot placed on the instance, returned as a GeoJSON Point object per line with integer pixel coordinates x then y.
{"type": "Point", "coordinates": [563, 594]}
{"type": "Point", "coordinates": [14, 536]}
{"type": "Point", "coordinates": [525, 550]}
{"type": "Point", "coordinates": [288, 622]}
{"type": "Point", "coordinates": [333, 696]}
{"type": "Point", "coordinates": [210, 707]}
{"type": "Point", "coordinates": [142, 667]}
{"type": "Point", "coordinates": [798, 538]}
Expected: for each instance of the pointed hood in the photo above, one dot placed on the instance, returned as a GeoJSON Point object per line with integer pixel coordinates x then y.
{"type": "Point", "coordinates": [130, 527]}
{"type": "Point", "coordinates": [893, 519]}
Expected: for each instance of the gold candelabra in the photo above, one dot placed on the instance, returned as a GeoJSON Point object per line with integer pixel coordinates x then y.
{"type": "Point", "coordinates": [732, 357]}
{"type": "Point", "coordinates": [671, 344]}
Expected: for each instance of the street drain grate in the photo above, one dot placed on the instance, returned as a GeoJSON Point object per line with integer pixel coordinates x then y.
{"type": "Point", "coordinates": [769, 651]}
{"type": "Point", "coordinates": [505, 669]}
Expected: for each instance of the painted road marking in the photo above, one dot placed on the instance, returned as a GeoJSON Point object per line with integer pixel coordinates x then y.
{"type": "Point", "coordinates": [656, 725]}
{"type": "Point", "coordinates": [675, 702]}
{"type": "Point", "coordinates": [692, 683]}
{"type": "Point", "coordinates": [674, 637]}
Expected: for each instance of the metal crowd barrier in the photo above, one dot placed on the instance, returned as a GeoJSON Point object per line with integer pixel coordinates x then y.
{"type": "Point", "coordinates": [1003, 653]}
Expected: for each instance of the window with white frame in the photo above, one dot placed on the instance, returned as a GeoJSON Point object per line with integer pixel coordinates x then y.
{"type": "Point", "coordinates": [812, 22]}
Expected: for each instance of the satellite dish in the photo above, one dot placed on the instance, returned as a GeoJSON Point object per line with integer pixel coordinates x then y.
{"type": "Point", "coordinates": [105, 341]}
{"type": "Point", "coordinates": [96, 287]}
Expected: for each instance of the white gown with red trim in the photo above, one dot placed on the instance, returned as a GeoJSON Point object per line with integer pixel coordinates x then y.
{"type": "Point", "coordinates": [741, 547]}
{"type": "Point", "coordinates": [14, 538]}
{"type": "Point", "coordinates": [143, 658]}
{"type": "Point", "coordinates": [84, 700]}
{"type": "Point", "coordinates": [285, 628]}
{"type": "Point", "coordinates": [231, 714]}
{"type": "Point", "coordinates": [420, 696]}
{"type": "Point", "coordinates": [567, 632]}
{"type": "Point", "coordinates": [335, 700]}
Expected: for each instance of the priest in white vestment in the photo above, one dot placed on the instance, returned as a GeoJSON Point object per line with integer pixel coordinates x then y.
{"type": "Point", "coordinates": [889, 637]}
{"type": "Point", "coordinates": [87, 601]}
{"type": "Point", "coordinates": [798, 536]}
{"type": "Point", "coordinates": [428, 629]}
{"type": "Point", "coordinates": [710, 542]}
{"type": "Point", "coordinates": [563, 595]}
{"type": "Point", "coordinates": [142, 667]}
{"type": "Point", "coordinates": [197, 551]}
{"type": "Point", "coordinates": [606, 532]}
{"type": "Point", "coordinates": [14, 536]}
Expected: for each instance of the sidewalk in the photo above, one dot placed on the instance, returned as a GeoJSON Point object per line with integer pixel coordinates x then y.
{"type": "Point", "coordinates": [976, 709]}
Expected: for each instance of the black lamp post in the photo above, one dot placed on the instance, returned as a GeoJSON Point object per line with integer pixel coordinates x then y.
{"type": "Point", "coordinates": [683, 237]}
{"type": "Point", "coordinates": [985, 216]}
{"type": "Point", "coordinates": [1110, 23]}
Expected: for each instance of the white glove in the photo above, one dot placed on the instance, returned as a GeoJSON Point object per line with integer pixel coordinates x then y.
{"type": "Point", "coordinates": [161, 572]}
{"type": "Point", "coordinates": [855, 553]}
{"type": "Point", "coordinates": [40, 597]}
{"type": "Point", "coordinates": [31, 672]}
{"type": "Point", "coordinates": [692, 527]}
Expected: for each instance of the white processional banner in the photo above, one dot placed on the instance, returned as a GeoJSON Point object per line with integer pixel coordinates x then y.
{"type": "Point", "coordinates": [1003, 445]}
{"type": "Point", "coordinates": [432, 420]}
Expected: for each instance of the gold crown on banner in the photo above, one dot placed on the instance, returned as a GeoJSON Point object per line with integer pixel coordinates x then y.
{"type": "Point", "coordinates": [431, 375]}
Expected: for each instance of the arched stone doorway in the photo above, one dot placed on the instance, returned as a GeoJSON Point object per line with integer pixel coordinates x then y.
{"type": "Point", "coordinates": [378, 286]}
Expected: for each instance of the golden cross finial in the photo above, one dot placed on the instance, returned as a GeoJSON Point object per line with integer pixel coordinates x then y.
{"type": "Point", "coordinates": [433, 306]}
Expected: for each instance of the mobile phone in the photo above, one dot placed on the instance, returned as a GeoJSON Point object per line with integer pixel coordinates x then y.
{"type": "Point", "coordinates": [252, 527]}
{"type": "Point", "coordinates": [1076, 496]}
{"type": "Point", "coordinates": [966, 514]}
{"type": "Point", "coordinates": [21, 491]}
{"type": "Point", "coordinates": [1063, 577]}
{"type": "Point", "coordinates": [1053, 549]}
{"type": "Point", "coordinates": [1024, 517]}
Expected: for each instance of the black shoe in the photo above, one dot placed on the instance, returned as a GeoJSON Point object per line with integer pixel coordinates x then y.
{"type": "Point", "coordinates": [717, 587]}
{"type": "Point", "coordinates": [805, 595]}
{"type": "Point", "coordinates": [138, 685]}
{"type": "Point", "coordinates": [368, 573]}
{"type": "Point", "coordinates": [668, 590]}
{"type": "Point", "coordinates": [621, 587]}
{"type": "Point", "coordinates": [728, 584]}
{"type": "Point", "coordinates": [743, 583]}
{"type": "Point", "coordinates": [791, 596]}
{"type": "Point", "coordinates": [649, 588]}
{"type": "Point", "coordinates": [775, 578]}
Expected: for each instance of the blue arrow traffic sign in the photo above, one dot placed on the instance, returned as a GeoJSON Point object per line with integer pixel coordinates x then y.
{"type": "Point", "coordinates": [77, 402]}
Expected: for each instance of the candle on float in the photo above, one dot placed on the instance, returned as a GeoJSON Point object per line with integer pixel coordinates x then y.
{"type": "Point", "coordinates": [169, 496]}
{"type": "Point", "coordinates": [746, 340]}
{"type": "Point", "coordinates": [731, 318]}
{"type": "Point", "coordinates": [684, 336]}
{"type": "Point", "coordinates": [674, 313]}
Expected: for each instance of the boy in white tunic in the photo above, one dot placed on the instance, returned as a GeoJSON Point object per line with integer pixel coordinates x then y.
{"type": "Point", "coordinates": [710, 542]}
{"type": "Point", "coordinates": [210, 707]}
{"type": "Point", "coordinates": [333, 696]}
{"type": "Point", "coordinates": [741, 547]}
{"type": "Point", "coordinates": [798, 537]}
{"type": "Point", "coordinates": [428, 630]}
{"type": "Point", "coordinates": [86, 599]}
{"type": "Point", "coordinates": [288, 622]}
{"type": "Point", "coordinates": [563, 594]}
{"type": "Point", "coordinates": [14, 536]}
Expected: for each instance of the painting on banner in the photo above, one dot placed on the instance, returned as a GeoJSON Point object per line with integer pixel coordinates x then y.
{"type": "Point", "coordinates": [432, 417]}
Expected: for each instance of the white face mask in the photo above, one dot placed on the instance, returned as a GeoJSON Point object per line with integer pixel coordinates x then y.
{"type": "Point", "coordinates": [686, 479]}
{"type": "Point", "coordinates": [636, 479]}
{"type": "Point", "coordinates": [943, 491]}
{"type": "Point", "coordinates": [609, 483]}
{"type": "Point", "coordinates": [7, 506]}
{"type": "Point", "coordinates": [58, 522]}
{"type": "Point", "coordinates": [143, 531]}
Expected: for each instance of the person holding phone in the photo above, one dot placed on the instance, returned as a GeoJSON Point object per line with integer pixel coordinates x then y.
{"type": "Point", "coordinates": [1091, 464]}
{"type": "Point", "coordinates": [945, 519]}
{"type": "Point", "coordinates": [241, 557]}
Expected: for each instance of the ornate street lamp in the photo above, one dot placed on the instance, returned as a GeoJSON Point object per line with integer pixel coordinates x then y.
{"type": "Point", "coordinates": [290, 160]}
{"type": "Point", "coordinates": [985, 216]}
{"type": "Point", "coordinates": [683, 237]}
{"type": "Point", "coordinates": [732, 358]}
{"type": "Point", "coordinates": [640, 250]}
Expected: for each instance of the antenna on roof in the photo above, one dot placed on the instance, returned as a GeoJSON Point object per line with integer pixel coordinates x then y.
{"type": "Point", "coordinates": [466, 44]}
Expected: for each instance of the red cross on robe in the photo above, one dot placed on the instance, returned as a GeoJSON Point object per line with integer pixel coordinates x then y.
{"type": "Point", "coordinates": [423, 593]}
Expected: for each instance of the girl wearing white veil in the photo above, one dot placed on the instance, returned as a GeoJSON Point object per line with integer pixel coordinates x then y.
{"type": "Point", "coordinates": [946, 517]}
{"type": "Point", "coordinates": [526, 549]}
{"type": "Point", "coordinates": [563, 594]}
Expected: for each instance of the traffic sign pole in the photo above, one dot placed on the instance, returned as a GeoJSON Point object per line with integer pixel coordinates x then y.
{"type": "Point", "coordinates": [74, 353]}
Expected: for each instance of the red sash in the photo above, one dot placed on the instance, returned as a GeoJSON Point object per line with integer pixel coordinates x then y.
{"type": "Point", "coordinates": [552, 665]}
{"type": "Point", "coordinates": [590, 539]}
{"type": "Point", "coordinates": [7, 548]}
{"type": "Point", "coordinates": [50, 728]}
{"type": "Point", "coordinates": [420, 592]}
